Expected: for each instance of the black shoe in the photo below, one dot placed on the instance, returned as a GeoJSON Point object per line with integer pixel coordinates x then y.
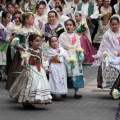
{"type": "Point", "coordinates": [28, 106]}
{"type": "Point", "coordinates": [63, 95]}
{"type": "Point", "coordinates": [77, 96]}
{"type": "Point", "coordinates": [55, 98]}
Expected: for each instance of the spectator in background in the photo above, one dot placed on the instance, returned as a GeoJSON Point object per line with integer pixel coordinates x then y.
{"type": "Point", "coordinates": [27, 6]}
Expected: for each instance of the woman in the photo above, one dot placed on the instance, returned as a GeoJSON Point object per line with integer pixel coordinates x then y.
{"type": "Point", "coordinates": [105, 12]}
{"type": "Point", "coordinates": [50, 29]}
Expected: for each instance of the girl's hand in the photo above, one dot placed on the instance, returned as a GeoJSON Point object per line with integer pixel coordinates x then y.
{"type": "Point", "coordinates": [11, 38]}
{"type": "Point", "coordinates": [118, 54]}
{"type": "Point", "coordinates": [48, 71]}
{"type": "Point", "coordinates": [21, 48]}
{"type": "Point", "coordinates": [66, 48]}
{"type": "Point", "coordinates": [96, 57]}
{"type": "Point", "coordinates": [45, 59]}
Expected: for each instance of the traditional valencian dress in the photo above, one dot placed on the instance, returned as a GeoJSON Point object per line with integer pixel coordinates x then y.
{"type": "Point", "coordinates": [70, 41]}
{"type": "Point", "coordinates": [32, 85]}
{"type": "Point", "coordinates": [5, 34]}
{"type": "Point", "coordinates": [11, 50]}
{"type": "Point", "coordinates": [103, 23]}
{"type": "Point", "coordinates": [58, 75]}
{"type": "Point", "coordinates": [89, 9]}
{"type": "Point", "coordinates": [86, 43]}
{"type": "Point", "coordinates": [107, 74]}
{"type": "Point", "coordinates": [40, 21]}
{"type": "Point", "coordinates": [16, 64]}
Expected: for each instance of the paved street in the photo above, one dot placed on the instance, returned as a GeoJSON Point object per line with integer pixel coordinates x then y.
{"type": "Point", "coordinates": [96, 104]}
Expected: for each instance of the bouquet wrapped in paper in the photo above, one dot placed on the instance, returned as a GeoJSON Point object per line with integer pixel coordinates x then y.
{"type": "Point", "coordinates": [82, 28]}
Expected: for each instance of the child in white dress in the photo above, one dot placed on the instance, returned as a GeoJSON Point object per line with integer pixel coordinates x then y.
{"type": "Point", "coordinates": [32, 86]}
{"type": "Point", "coordinates": [58, 76]}
{"type": "Point", "coordinates": [70, 42]}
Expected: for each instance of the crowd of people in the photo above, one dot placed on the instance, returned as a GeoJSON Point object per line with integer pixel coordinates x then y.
{"type": "Point", "coordinates": [44, 44]}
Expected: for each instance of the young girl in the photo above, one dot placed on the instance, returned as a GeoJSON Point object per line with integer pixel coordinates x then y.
{"type": "Point", "coordinates": [60, 12]}
{"type": "Point", "coordinates": [85, 37]}
{"type": "Point", "coordinates": [32, 86]}
{"type": "Point", "coordinates": [5, 37]}
{"type": "Point", "coordinates": [58, 76]}
{"type": "Point", "coordinates": [110, 44]}
{"type": "Point", "coordinates": [26, 30]}
{"type": "Point", "coordinates": [40, 16]}
{"type": "Point", "coordinates": [16, 26]}
{"type": "Point", "coordinates": [50, 28]}
{"type": "Point", "coordinates": [70, 41]}
{"type": "Point", "coordinates": [17, 7]}
{"type": "Point", "coordinates": [10, 10]}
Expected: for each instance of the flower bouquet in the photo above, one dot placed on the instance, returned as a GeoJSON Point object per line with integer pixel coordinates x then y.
{"type": "Point", "coordinates": [72, 62]}
{"type": "Point", "coordinates": [105, 54]}
{"type": "Point", "coordinates": [15, 41]}
{"type": "Point", "coordinates": [105, 57]}
{"type": "Point", "coordinates": [80, 55]}
{"type": "Point", "coordinates": [115, 94]}
{"type": "Point", "coordinates": [83, 27]}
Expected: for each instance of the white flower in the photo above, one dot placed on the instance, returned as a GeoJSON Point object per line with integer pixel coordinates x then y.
{"type": "Point", "coordinates": [115, 94]}
{"type": "Point", "coordinates": [105, 54]}
{"type": "Point", "coordinates": [15, 41]}
{"type": "Point", "coordinates": [25, 55]}
{"type": "Point", "coordinates": [72, 59]}
{"type": "Point", "coordinates": [79, 49]}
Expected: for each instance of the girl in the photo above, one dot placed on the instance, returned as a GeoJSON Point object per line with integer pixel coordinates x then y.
{"type": "Point", "coordinates": [85, 38]}
{"type": "Point", "coordinates": [32, 86]}
{"type": "Point", "coordinates": [5, 37]}
{"type": "Point", "coordinates": [110, 44]}
{"type": "Point", "coordinates": [60, 12]}
{"type": "Point", "coordinates": [58, 76]}
{"type": "Point", "coordinates": [10, 10]}
{"type": "Point", "coordinates": [40, 16]}
{"type": "Point", "coordinates": [67, 10]}
{"type": "Point", "coordinates": [51, 3]}
{"type": "Point", "coordinates": [50, 28]}
{"type": "Point", "coordinates": [16, 26]}
{"type": "Point", "coordinates": [70, 41]}
{"type": "Point", "coordinates": [26, 30]}
{"type": "Point", "coordinates": [17, 7]}
{"type": "Point", "coordinates": [74, 4]}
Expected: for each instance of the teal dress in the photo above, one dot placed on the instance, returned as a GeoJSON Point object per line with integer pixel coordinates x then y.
{"type": "Point", "coordinates": [15, 67]}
